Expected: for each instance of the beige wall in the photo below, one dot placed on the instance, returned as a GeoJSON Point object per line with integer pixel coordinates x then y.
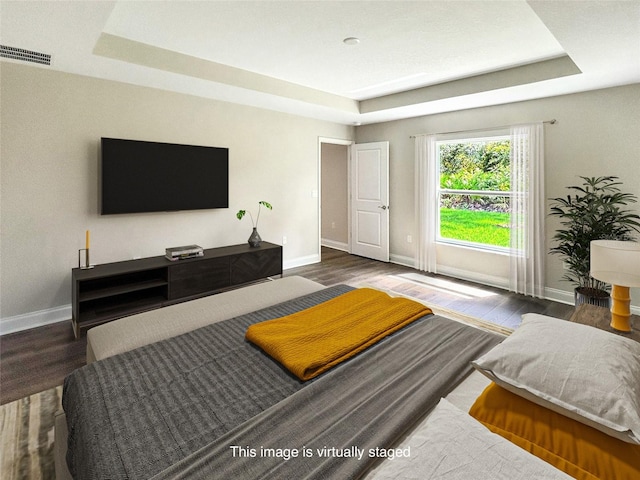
{"type": "Point", "coordinates": [598, 133]}
{"type": "Point", "coordinates": [51, 124]}
{"type": "Point", "coordinates": [335, 208]}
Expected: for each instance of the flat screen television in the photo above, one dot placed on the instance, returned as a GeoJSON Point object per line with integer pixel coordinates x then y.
{"type": "Point", "coordinates": [139, 176]}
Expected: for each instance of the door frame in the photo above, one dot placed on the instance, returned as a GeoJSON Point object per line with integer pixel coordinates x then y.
{"type": "Point", "coordinates": [348, 144]}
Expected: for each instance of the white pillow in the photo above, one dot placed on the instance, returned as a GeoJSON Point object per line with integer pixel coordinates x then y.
{"type": "Point", "coordinates": [576, 370]}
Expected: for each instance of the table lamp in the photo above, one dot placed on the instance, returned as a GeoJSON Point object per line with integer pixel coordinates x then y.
{"type": "Point", "coordinates": [618, 263]}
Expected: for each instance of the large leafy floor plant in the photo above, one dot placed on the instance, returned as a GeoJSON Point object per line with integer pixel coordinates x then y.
{"type": "Point", "coordinates": [595, 211]}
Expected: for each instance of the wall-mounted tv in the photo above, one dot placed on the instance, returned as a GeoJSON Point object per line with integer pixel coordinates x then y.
{"type": "Point", "coordinates": [139, 176]}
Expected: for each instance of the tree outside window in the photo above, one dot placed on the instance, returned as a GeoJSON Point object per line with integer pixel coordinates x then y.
{"type": "Point", "coordinates": [475, 192]}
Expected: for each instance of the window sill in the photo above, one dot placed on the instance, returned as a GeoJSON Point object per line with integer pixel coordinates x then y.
{"type": "Point", "coordinates": [472, 248]}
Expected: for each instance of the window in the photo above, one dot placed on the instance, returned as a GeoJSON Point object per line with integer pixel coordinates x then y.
{"type": "Point", "coordinates": [522, 197]}
{"type": "Point", "coordinates": [474, 192]}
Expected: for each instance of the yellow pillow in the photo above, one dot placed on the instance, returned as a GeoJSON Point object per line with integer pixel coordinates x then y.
{"type": "Point", "coordinates": [573, 447]}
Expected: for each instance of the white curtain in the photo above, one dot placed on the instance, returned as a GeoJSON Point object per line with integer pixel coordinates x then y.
{"type": "Point", "coordinates": [426, 202]}
{"type": "Point", "coordinates": [527, 210]}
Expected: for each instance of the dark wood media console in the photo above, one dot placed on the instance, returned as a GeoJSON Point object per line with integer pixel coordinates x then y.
{"type": "Point", "coordinates": [114, 290]}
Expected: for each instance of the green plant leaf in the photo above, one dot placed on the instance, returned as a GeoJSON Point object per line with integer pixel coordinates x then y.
{"type": "Point", "coordinates": [594, 213]}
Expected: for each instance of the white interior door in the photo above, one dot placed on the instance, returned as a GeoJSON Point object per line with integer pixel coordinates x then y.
{"type": "Point", "coordinates": [370, 200]}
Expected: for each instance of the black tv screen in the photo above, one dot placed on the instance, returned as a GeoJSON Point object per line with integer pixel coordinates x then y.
{"type": "Point", "coordinates": [140, 176]}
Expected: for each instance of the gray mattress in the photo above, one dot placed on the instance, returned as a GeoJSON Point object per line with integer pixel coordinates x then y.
{"type": "Point", "coordinates": [175, 408]}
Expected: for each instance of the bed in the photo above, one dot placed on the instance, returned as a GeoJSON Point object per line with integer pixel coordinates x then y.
{"type": "Point", "coordinates": [264, 395]}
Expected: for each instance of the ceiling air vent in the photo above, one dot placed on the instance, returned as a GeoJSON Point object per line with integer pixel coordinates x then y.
{"type": "Point", "coordinates": [25, 55]}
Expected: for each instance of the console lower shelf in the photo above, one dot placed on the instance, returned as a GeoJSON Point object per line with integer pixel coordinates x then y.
{"type": "Point", "coordinates": [114, 290]}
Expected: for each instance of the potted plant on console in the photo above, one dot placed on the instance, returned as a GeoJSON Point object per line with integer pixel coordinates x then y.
{"type": "Point", "coordinates": [595, 212]}
{"type": "Point", "coordinates": [254, 239]}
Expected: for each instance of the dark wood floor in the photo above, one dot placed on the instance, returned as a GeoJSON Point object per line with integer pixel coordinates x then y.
{"type": "Point", "coordinates": [37, 359]}
{"type": "Point", "coordinates": [498, 305]}
{"type": "Point", "coordinates": [40, 358]}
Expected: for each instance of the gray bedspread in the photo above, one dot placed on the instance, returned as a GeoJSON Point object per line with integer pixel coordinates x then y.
{"type": "Point", "coordinates": [134, 414]}
{"type": "Point", "coordinates": [176, 408]}
{"type": "Point", "coordinates": [362, 408]}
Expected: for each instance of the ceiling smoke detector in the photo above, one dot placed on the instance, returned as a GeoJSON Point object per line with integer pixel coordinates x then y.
{"type": "Point", "coordinates": [25, 55]}
{"type": "Point", "coordinates": [351, 41]}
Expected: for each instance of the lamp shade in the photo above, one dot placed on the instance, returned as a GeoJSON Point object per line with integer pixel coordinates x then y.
{"type": "Point", "coordinates": [616, 262]}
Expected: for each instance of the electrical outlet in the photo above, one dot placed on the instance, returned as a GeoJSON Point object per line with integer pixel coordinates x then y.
{"type": "Point", "coordinates": [409, 239]}
{"type": "Point", "coordinates": [284, 240]}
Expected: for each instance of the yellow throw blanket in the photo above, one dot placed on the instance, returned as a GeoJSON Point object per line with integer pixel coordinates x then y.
{"type": "Point", "coordinates": [314, 340]}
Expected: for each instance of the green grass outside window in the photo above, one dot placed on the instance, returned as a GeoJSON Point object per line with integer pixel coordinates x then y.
{"type": "Point", "coordinates": [489, 228]}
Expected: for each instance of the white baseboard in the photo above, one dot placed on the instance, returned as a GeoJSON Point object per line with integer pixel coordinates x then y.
{"type": "Point", "coordinates": [561, 296]}
{"type": "Point", "coordinates": [40, 318]}
{"type": "Point", "coordinates": [301, 261]}
{"type": "Point", "coordinates": [489, 280]}
{"type": "Point", "coordinates": [325, 242]}
{"type": "Point", "coordinates": [458, 273]}
{"type": "Point", "coordinates": [402, 260]}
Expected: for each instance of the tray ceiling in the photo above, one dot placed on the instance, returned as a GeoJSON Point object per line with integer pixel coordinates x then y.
{"type": "Point", "coordinates": [412, 58]}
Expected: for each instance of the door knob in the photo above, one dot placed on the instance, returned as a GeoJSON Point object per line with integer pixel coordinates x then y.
{"type": "Point", "coordinates": [383, 207]}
